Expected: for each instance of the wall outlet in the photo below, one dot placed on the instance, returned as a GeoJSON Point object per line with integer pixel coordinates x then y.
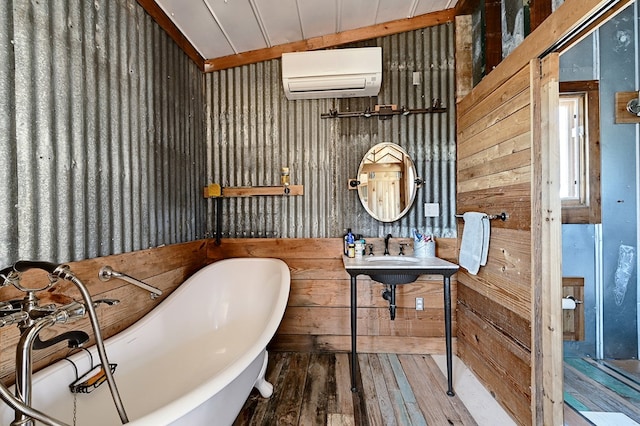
{"type": "Point", "coordinates": [419, 304]}
{"type": "Point", "coordinates": [431, 209]}
{"type": "Point", "coordinates": [416, 78]}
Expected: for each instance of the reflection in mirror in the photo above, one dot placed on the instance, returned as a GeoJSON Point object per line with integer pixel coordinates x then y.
{"type": "Point", "coordinates": [387, 185]}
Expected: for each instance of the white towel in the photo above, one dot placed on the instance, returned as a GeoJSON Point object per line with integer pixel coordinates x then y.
{"type": "Point", "coordinates": [475, 241]}
{"type": "Point", "coordinates": [486, 235]}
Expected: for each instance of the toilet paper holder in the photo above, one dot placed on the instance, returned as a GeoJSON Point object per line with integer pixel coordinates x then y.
{"type": "Point", "coordinates": [570, 302]}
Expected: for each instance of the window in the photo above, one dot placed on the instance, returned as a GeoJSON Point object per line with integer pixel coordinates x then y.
{"type": "Point", "coordinates": [579, 138]}
{"type": "Point", "coordinates": [572, 149]}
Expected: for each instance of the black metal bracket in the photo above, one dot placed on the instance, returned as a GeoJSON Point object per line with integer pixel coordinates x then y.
{"type": "Point", "coordinates": [384, 112]}
{"type": "Point", "coordinates": [218, 221]}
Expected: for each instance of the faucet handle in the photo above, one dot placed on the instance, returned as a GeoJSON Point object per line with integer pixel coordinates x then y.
{"type": "Point", "coordinates": [13, 318]}
{"type": "Point", "coordinates": [70, 312]}
{"type": "Point", "coordinates": [402, 246]}
{"type": "Point", "coordinates": [370, 249]}
{"type": "Point", "coordinates": [6, 306]}
{"type": "Point", "coordinates": [41, 311]}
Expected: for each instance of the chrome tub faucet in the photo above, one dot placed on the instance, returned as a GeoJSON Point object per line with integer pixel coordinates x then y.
{"type": "Point", "coordinates": [31, 318]}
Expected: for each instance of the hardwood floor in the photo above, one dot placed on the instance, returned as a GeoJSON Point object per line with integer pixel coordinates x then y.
{"type": "Point", "coordinates": [593, 387]}
{"type": "Point", "coordinates": [314, 389]}
{"type": "Point", "coordinates": [627, 367]}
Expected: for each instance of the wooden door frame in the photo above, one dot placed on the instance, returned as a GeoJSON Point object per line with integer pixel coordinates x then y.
{"type": "Point", "coordinates": [547, 397]}
{"type": "Point", "coordinates": [546, 244]}
{"type": "Point", "coordinates": [570, 23]}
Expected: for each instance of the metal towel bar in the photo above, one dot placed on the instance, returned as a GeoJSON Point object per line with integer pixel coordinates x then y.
{"type": "Point", "coordinates": [106, 273]}
{"type": "Point", "coordinates": [502, 216]}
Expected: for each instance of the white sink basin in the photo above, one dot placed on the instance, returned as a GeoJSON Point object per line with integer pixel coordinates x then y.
{"type": "Point", "coordinates": [392, 259]}
{"type": "Point", "coordinates": [396, 269]}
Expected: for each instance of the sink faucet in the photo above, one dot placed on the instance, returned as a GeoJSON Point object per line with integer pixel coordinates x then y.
{"type": "Point", "coordinates": [386, 244]}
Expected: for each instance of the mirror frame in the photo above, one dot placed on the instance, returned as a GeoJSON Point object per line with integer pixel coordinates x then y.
{"type": "Point", "coordinates": [409, 179]}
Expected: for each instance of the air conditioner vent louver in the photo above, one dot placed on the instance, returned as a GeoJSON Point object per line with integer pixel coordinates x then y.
{"type": "Point", "coordinates": [337, 73]}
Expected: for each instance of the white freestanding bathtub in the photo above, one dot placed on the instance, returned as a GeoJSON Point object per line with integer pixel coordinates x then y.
{"type": "Point", "coordinates": [193, 360]}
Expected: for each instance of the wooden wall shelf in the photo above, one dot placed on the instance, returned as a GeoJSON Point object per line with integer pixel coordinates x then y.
{"type": "Point", "coordinates": [216, 191]}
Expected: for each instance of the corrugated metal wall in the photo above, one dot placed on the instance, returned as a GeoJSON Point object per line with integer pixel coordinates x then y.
{"type": "Point", "coordinates": [101, 132]}
{"type": "Point", "coordinates": [254, 131]}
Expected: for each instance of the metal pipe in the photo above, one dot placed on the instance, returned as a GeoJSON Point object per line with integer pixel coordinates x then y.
{"type": "Point", "coordinates": [218, 202]}
{"type": "Point", "coordinates": [502, 216]}
{"type": "Point", "coordinates": [354, 325]}
{"type": "Point", "coordinates": [24, 413]}
{"type": "Point", "coordinates": [392, 303]}
{"type": "Point", "coordinates": [63, 272]}
{"type": "Point", "coordinates": [23, 361]}
{"type": "Point", "coordinates": [18, 405]}
{"type": "Point", "coordinates": [107, 272]}
{"type": "Point", "coordinates": [24, 365]}
{"type": "Point", "coordinates": [447, 332]}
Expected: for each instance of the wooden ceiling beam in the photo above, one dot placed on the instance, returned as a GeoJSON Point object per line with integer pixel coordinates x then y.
{"type": "Point", "coordinates": [331, 40]}
{"type": "Point", "coordinates": [540, 10]}
{"type": "Point", "coordinates": [467, 7]}
{"type": "Point", "coordinates": [493, 24]}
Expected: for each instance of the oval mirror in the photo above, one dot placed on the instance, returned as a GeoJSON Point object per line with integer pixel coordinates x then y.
{"type": "Point", "coordinates": [387, 182]}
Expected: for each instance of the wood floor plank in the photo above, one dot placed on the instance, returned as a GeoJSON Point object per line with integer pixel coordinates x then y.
{"type": "Point", "coordinates": [605, 379]}
{"type": "Point", "coordinates": [630, 367]}
{"type": "Point", "coordinates": [428, 394]}
{"type": "Point", "coordinates": [623, 375]}
{"type": "Point", "coordinates": [578, 388]}
{"type": "Point", "coordinates": [344, 399]}
{"type": "Point", "coordinates": [399, 408]}
{"type": "Point", "coordinates": [573, 418]}
{"type": "Point", "coordinates": [256, 407]}
{"type": "Point", "coordinates": [452, 406]}
{"type": "Point", "coordinates": [359, 404]}
{"type": "Point", "coordinates": [571, 401]}
{"type": "Point", "coordinates": [317, 392]}
{"type": "Point", "coordinates": [382, 397]}
{"type": "Point", "coordinates": [417, 419]}
{"type": "Point", "coordinates": [340, 420]}
{"type": "Point", "coordinates": [287, 401]}
{"type": "Point", "coordinates": [596, 396]}
{"type": "Point", "coordinates": [315, 389]}
{"type": "Point", "coordinates": [424, 392]}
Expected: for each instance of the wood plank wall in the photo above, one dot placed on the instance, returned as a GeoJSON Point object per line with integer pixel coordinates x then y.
{"type": "Point", "coordinates": [163, 267]}
{"type": "Point", "coordinates": [317, 316]}
{"type": "Point", "coordinates": [508, 320]}
{"type": "Point", "coordinates": [494, 176]}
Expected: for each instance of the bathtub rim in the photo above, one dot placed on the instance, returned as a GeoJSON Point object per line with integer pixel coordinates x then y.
{"type": "Point", "coordinates": [201, 393]}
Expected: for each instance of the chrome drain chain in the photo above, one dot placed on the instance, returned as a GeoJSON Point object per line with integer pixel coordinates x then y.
{"type": "Point", "coordinates": [75, 408]}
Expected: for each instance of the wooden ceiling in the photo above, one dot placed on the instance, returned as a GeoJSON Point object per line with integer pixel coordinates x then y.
{"type": "Point", "coordinates": [203, 28]}
{"type": "Point", "coordinates": [220, 34]}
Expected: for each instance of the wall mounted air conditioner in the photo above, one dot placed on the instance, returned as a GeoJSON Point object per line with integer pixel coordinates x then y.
{"type": "Point", "coordinates": [335, 73]}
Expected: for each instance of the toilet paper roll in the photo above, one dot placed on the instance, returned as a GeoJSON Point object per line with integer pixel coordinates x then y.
{"type": "Point", "coordinates": [568, 303]}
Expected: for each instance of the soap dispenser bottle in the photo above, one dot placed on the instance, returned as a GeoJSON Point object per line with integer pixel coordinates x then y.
{"type": "Point", "coordinates": [348, 235]}
{"type": "Point", "coordinates": [351, 246]}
